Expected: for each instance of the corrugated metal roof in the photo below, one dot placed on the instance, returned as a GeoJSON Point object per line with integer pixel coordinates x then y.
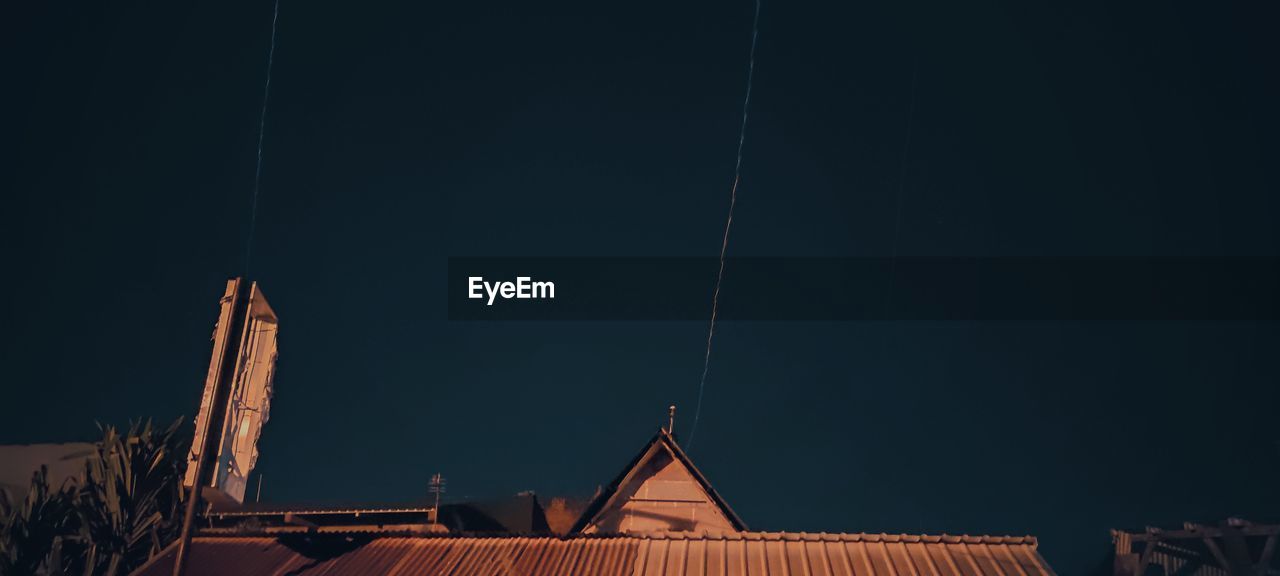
{"type": "Point", "coordinates": [247, 512]}
{"type": "Point", "coordinates": [660, 554]}
{"type": "Point", "coordinates": [521, 513]}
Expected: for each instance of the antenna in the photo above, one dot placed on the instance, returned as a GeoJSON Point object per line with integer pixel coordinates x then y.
{"type": "Point", "coordinates": [437, 487]}
{"type": "Point", "coordinates": [671, 419]}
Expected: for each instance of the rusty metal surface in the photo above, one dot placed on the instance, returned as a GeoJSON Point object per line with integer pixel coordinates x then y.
{"type": "Point", "coordinates": [671, 553]}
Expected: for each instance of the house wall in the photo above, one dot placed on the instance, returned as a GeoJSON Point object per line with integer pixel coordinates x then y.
{"type": "Point", "coordinates": [662, 496]}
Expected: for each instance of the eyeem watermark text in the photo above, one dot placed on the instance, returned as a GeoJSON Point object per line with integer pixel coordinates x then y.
{"type": "Point", "coordinates": [523, 288]}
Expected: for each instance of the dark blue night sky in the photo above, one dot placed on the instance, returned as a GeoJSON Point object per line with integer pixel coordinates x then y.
{"type": "Point", "coordinates": [400, 135]}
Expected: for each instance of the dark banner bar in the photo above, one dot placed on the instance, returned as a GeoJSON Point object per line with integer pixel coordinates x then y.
{"type": "Point", "coordinates": [855, 289]}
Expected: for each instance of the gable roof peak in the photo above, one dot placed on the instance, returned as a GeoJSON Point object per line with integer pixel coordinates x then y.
{"type": "Point", "coordinates": [660, 489]}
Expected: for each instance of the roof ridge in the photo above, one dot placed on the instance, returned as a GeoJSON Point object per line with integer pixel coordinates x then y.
{"type": "Point", "coordinates": [838, 536]}
{"type": "Point", "coordinates": [400, 531]}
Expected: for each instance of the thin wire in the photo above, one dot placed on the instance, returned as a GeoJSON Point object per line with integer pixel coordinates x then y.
{"type": "Point", "coordinates": [724, 243]}
{"type": "Point", "coordinates": [262, 129]}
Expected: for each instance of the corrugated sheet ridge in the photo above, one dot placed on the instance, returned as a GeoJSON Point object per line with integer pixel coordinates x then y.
{"type": "Point", "coordinates": [661, 554]}
{"type": "Point", "coordinates": [677, 535]}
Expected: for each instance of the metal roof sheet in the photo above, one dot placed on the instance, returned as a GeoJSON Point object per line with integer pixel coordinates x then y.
{"type": "Point", "coordinates": [658, 554]}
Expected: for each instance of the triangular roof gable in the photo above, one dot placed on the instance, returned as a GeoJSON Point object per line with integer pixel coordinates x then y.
{"type": "Point", "coordinates": [619, 493]}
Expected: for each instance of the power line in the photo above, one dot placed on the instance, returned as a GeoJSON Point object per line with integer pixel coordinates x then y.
{"type": "Point", "coordinates": [262, 128]}
{"type": "Point", "coordinates": [728, 223]}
